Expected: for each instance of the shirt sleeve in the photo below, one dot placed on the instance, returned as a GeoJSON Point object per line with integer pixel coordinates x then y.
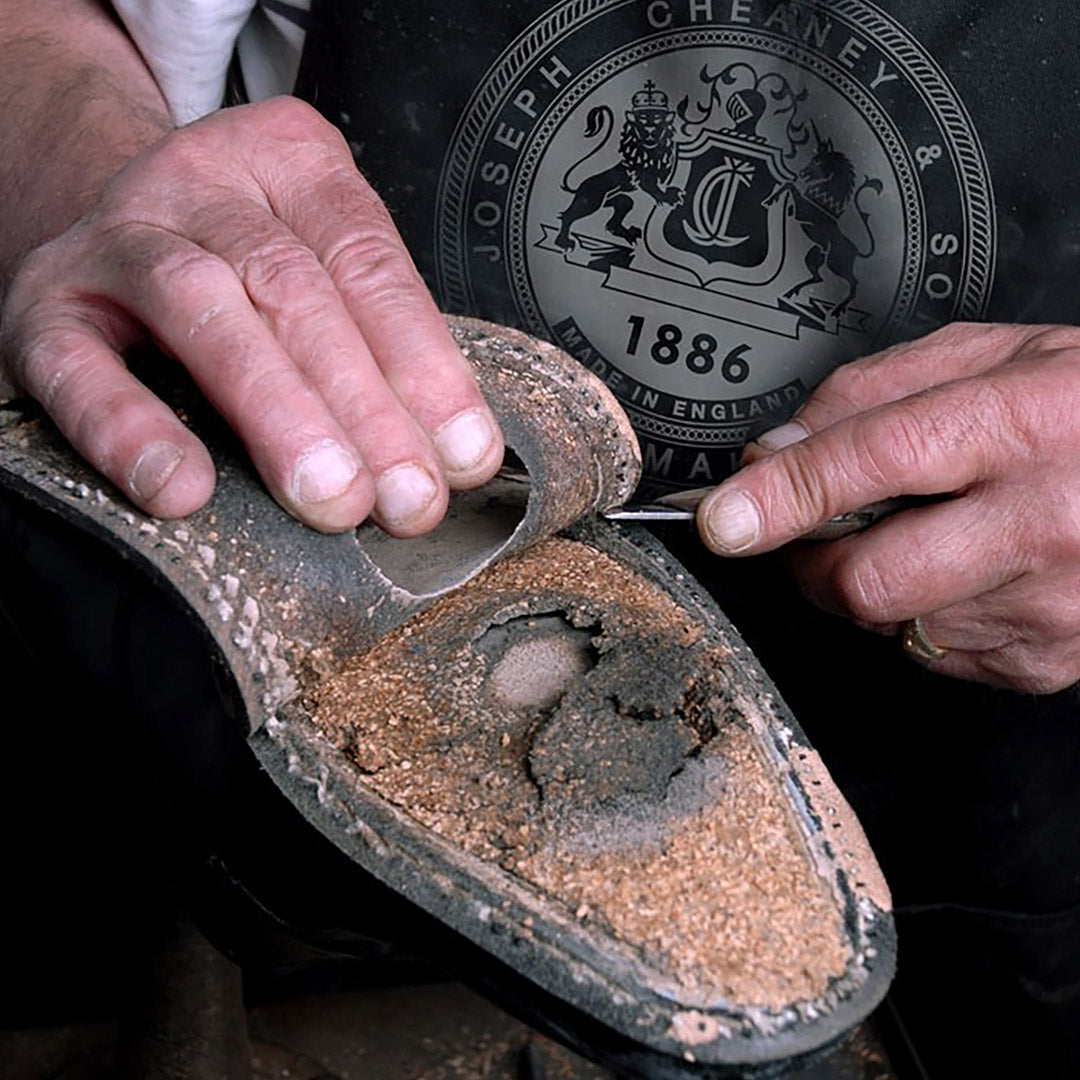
{"type": "Point", "coordinates": [187, 45]}
{"type": "Point", "coordinates": [270, 46]}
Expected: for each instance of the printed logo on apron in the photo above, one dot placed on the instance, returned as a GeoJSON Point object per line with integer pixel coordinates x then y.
{"type": "Point", "coordinates": [715, 214]}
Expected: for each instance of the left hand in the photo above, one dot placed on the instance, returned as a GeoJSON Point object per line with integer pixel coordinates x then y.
{"type": "Point", "coordinates": [249, 248]}
{"type": "Point", "coordinates": [986, 415]}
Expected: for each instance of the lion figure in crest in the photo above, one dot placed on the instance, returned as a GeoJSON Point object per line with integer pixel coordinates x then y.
{"type": "Point", "coordinates": [646, 162]}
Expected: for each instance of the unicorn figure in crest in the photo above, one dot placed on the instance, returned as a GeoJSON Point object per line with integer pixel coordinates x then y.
{"type": "Point", "coordinates": [824, 190]}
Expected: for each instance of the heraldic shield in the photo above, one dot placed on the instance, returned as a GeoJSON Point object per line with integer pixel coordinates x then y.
{"type": "Point", "coordinates": [729, 226]}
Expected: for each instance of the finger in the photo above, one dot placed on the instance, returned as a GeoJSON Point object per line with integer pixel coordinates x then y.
{"type": "Point", "coordinates": [938, 441]}
{"type": "Point", "coordinates": [925, 559]}
{"type": "Point", "coordinates": [342, 219]}
{"type": "Point", "coordinates": [957, 351]}
{"type": "Point", "coordinates": [1036, 610]}
{"type": "Point", "coordinates": [1025, 669]}
{"type": "Point", "coordinates": [197, 308]}
{"type": "Point", "coordinates": [293, 293]}
{"type": "Point", "coordinates": [1020, 667]}
{"type": "Point", "coordinates": [111, 419]}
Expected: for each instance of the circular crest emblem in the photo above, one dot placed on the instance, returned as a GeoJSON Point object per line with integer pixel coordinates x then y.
{"type": "Point", "coordinates": [713, 204]}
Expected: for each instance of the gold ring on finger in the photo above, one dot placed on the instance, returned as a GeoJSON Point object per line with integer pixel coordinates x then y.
{"type": "Point", "coordinates": [916, 644]}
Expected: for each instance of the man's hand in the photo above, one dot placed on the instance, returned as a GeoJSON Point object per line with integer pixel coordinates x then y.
{"type": "Point", "coordinates": [248, 247]}
{"type": "Point", "coordinates": [989, 418]}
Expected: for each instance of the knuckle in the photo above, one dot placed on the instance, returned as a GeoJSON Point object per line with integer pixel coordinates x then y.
{"type": "Point", "coordinates": [373, 264]}
{"type": "Point", "coordinates": [166, 271]}
{"type": "Point", "coordinates": [182, 153]}
{"type": "Point", "coordinates": [955, 334]}
{"type": "Point", "coordinates": [1053, 339]}
{"type": "Point", "coordinates": [51, 366]}
{"type": "Point", "coordinates": [1038, 424]}
{"type": "Point", "coordinates": [966, 423]}
{"type": "Point", "coordinates": [281, 275]}
{"type": "Point", "coordinates": [356, 194]}
{"type": "Point", "coordinates": [296, 137]}
{"type": "Point", "coordinates": [992, 418]}
{"type": "Point", "coordinates": [799, 489]}
{"type": "Point", "coordinates": [883, 452]}
{"type": "Point", "coordinates": [846, 387]}
{"type": "Point", "coordinates": [971, 339]}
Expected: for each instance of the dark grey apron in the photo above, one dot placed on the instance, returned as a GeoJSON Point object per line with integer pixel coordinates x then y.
{"type": "Point", "coordinates": [712, 204]}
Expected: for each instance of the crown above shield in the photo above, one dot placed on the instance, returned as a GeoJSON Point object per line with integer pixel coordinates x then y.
{"type": "Point", "coordinates": [649, 98]}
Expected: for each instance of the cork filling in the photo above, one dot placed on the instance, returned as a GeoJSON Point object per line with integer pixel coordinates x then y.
{"type": "Point", "coordinates": [565, 719]}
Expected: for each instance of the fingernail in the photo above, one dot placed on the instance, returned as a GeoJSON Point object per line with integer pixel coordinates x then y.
{"type": "Point", "coordinates": [323, 472]}
{"type": "Point", "coordinates": [732, 522]}
{"type": "Point", "coordinates": [464, 440]}
{"type": "Point", "coordinates": [403, 492]}
{"type": "Point", "coordinates": [784, 435]}
{"type": "Point", "coordinates": [685, 500]}
{"type": "Point", "coordinates": [152, 469]}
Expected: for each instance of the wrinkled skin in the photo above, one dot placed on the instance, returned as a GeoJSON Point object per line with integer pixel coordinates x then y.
{"type": "Point", "coordinates": [251, 250]}
{"type": "Point", "coordinates": [987, 416]}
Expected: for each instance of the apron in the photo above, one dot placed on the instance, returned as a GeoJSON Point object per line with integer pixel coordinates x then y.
{"type": "Point", "coordinates": [712, 204]}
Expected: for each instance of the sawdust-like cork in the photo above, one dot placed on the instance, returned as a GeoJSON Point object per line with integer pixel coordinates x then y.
{"type": "Point", "coordinates": [640, 799]}
{"type": "Point", "coordinates": [844, 829]}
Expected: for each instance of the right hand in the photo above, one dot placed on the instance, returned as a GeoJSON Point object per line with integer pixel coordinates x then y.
{"type": "Point", "coordinates": [985, 418]}
{"type": "Point", "coordinates": [248, 247]}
